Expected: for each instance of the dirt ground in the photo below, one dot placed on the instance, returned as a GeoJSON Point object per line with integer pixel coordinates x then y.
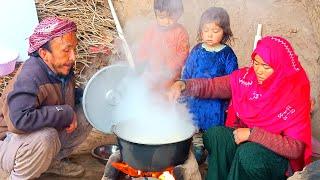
{"type": "Point", "coordinates": [94, 169]}
{"type": "Point", "coordinates": [82, 155]}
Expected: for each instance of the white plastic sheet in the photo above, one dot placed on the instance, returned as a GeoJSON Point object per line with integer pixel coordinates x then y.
{"type": "Point", "coordinates": [18, 18]}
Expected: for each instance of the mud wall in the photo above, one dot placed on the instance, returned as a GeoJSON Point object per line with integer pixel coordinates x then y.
{"type": "Point", "coordinates": [296, 20]}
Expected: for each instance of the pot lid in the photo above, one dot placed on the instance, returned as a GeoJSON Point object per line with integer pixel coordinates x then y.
{"type": "Point", "coordinates": [101, 96]}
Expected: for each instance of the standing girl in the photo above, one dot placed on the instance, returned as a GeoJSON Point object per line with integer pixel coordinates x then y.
{"type": "Point", "coordinates": [212, 57]}
{"type": "Point", "coordinates": [165, 45]}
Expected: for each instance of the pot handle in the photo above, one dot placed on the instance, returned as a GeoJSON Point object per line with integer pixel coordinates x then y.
{"type": "Point", "coordinates": [113, 97]}
{"type": "Point", "coordinates": [113, 127]}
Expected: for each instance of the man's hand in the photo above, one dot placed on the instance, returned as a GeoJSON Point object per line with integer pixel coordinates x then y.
{"type": "Point", "coordinates": [73, 125]}
{"type": "Point", "coordinates": [175, 90]}
{"type": "Point", "coordinates": [241, 135]}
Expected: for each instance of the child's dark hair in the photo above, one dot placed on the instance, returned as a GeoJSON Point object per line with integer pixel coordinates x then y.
{"type": "Point", "coordinates": [174, 8]}
{"type": "Point", "coordinates": [219, 16]}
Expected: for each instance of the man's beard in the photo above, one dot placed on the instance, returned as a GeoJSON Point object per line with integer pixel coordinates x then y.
{"type": "Point", "coordinates": [59, 66]}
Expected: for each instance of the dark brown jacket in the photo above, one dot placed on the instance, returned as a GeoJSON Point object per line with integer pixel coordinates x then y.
{"type": "Point", "coordinates": [35, 98]}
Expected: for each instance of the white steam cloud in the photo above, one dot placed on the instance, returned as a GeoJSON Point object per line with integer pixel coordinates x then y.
{"type": "Point", "coordinates": [146, 117]}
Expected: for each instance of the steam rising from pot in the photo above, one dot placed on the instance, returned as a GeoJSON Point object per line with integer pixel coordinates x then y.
{"type": "Point", "coordinates": [146, 117]}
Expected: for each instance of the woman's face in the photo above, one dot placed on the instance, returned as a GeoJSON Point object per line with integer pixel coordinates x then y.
{"type": "Point", "coordinates": [211, 34]}
{"type": "Point", "coordinates": [262, 70]}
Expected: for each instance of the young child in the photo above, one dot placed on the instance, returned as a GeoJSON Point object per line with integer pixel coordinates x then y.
{"type": "Point", "coordinates": [212, 57]}
{"type": "Point", "coordinates": [165, 45]}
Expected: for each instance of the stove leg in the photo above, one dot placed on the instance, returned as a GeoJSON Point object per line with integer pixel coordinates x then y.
{"type": "Point", "coordinates": [111, 173]}
{"type": "Point", "coordinates": [178, 172]}
{"type": "Point", "coordinates": [189, 170]}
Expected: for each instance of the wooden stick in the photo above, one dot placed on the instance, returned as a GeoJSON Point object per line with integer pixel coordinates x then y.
{"type": "Point", "coordinates": [121, 35]}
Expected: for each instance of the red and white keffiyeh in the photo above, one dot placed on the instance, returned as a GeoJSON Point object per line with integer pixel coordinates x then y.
{"type": "Point", "coordinates": [48, 29]}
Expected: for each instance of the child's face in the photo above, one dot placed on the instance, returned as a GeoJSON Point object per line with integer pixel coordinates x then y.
{"type": "Point", "coordinates": [163, 18]}
{"type": "Point", "coordinates": [211, 34]}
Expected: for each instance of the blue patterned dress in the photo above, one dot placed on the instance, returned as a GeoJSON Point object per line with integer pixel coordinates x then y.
{"type": "Point", "coordinates": [202, 63]}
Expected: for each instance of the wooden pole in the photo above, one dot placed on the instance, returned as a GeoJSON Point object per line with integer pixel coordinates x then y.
{"type": "Point", "coordinates": [121, 35]}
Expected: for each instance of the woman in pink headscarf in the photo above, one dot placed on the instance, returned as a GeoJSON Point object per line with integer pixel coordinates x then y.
{"type": "Point", "coordinates": [268, 133]}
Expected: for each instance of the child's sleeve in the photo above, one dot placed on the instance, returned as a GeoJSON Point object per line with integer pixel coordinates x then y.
{"type": "Point", "coordinates": [143, 47]}
{"type": "Point", "coordinates": [182, 51]}
{"type": "Point", "coordinates": [231, 62]}
{"type": "Point", "coordinates": [182, 47]}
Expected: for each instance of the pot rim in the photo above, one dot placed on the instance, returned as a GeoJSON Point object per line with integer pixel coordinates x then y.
{"type": "Point", "coordinates": [174, 142]}
{"type": "Point", "coordinates": [114, 128]}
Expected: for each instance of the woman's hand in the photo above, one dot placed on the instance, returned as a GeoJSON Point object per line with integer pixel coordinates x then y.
{"type": "Point", "coordinates": [175, 90]}
{"type": "Point", "coordinates": [73, 125]}
{"type": "Point", "coordinates": [241, 135]}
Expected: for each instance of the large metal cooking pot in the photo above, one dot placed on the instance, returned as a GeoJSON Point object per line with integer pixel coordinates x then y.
{"type": "Point", "coordinates": [155, 158]}
{"type": "Point", "coordinates": [101, 96]}
{"type": "Point", "coordinates": [152, 155]}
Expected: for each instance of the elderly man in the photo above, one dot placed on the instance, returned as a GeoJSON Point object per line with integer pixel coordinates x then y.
{"type": "Point", "coordinates": [39, 126]}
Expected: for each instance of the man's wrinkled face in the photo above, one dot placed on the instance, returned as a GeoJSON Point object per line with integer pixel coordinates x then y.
{"type": "Point", "coordinates": [62, 56]}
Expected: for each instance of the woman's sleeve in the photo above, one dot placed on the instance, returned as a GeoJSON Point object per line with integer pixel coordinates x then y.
{"type": "Point", "coordinates": [218, 87]}
{"type": "Point", "coordinates": [283, 145]}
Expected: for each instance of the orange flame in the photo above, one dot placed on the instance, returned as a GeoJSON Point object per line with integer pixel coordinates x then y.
{"type": "Point", "coordinates": [125, 168]}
